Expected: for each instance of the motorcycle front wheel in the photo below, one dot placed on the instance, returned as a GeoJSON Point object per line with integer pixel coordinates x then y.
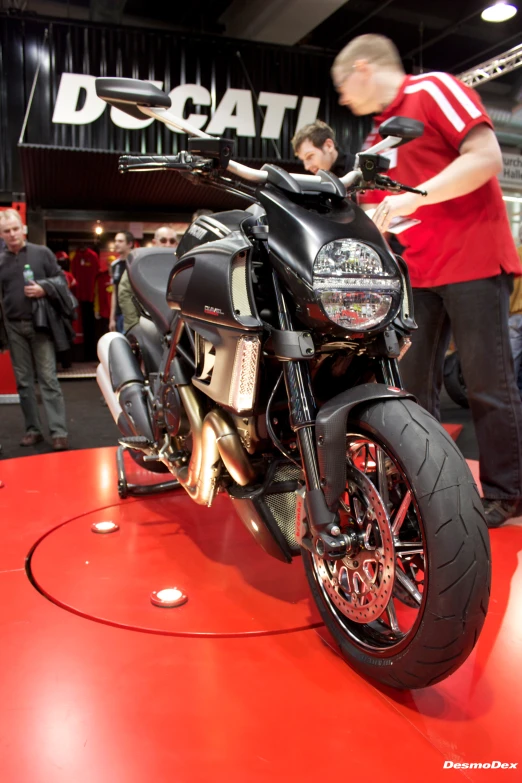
{"type": "Point", "coordinates": [407, 605]}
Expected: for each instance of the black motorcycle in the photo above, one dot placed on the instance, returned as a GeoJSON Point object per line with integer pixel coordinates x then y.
{"type": "Point", "coordinates": [266, 366]}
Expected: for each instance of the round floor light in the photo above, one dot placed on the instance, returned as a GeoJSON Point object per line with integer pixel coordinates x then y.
{"type": "Point", "coordinates": [168, 597]}
{"type": "Point", "coordinates": [105, 527]}
{"type": "Point", "coordinates": [499, 12]}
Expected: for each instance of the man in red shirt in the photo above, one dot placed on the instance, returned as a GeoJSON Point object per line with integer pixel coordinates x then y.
{"type": "Point", "coordinates": [461, 256]}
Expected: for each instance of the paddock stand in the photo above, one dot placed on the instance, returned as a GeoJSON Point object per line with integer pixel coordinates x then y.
{"type": "Point", "coordinates": [125, 489]}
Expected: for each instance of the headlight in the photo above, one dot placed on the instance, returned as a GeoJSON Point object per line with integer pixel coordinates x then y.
{"type": "Point", "coordinates": [354, 288]}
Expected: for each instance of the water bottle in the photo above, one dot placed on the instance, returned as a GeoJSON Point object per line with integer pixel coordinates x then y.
{"type": "Point", "coordinates": [28, 275]}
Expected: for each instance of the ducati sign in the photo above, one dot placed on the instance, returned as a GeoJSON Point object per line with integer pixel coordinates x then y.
{"type": "Point", "coordinates": [78, 104]}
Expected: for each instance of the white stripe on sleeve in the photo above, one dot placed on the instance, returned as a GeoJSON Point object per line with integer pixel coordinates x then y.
{"type": "Point", "coordinates": [441, 101]}
{"type": "Point", "coordinates": [455, 89]}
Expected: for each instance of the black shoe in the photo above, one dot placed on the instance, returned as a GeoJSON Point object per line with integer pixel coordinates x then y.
{"type": "Point", "coordinates": [31, 439]}
{"type": "Point", "coordinates": [499, 511]}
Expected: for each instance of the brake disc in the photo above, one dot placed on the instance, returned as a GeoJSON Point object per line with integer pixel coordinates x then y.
{"type": "Point", "coordinates": [361, 584]}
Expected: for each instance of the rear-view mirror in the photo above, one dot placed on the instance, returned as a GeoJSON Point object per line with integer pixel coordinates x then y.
{"type": "Point", "coordinates": [128, 94]}
{"type": "Point", "coordinates": [402, 127]}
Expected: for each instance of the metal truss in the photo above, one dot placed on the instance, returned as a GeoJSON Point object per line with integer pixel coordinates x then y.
{"type": "Point", "coordinates": [492, 69]}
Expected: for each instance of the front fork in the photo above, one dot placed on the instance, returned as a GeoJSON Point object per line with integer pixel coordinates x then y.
{"type": "Point", "coordinates": [324, 531]}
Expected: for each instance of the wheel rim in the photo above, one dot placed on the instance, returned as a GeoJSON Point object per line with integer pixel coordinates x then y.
{"type": "Point", "coordinates": [376, 595]}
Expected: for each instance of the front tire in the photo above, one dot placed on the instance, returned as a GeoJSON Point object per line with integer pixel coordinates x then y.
{"type": "Point", "coordinates": [411, 498]}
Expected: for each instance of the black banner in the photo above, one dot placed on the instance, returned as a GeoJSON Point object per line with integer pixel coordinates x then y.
{"type": "Point", "coordinates": [257, 93]}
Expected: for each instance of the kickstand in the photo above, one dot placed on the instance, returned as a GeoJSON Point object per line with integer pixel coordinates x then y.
{"type": "Point", "coordinates": [125, 489]}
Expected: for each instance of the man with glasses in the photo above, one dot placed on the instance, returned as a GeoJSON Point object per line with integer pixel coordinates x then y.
{"type": "Point", "coordinates": [461, 256]}
{"type": "Point", "coordinates": [163, 237]}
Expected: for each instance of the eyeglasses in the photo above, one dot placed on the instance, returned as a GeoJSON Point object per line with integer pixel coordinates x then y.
{"type": "Point", "coordinates": [170, 240]}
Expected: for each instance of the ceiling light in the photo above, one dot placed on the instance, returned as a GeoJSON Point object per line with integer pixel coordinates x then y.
{"type": "Point", "coordinates": [515, 199]}
{"type": "Point", "coordinates": [168, 597]}
{"type": "Point", "coordinates": [104, 527]}
{"type": "Point", "coordinates": [98, 229]}
{"type": "Point", "coordinates": [499, 12]}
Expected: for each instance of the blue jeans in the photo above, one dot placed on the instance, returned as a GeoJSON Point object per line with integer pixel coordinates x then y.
{"type": "Point", "coordinates": [32, 351]}
{"type": "Point", "coordinates": [477, 313]}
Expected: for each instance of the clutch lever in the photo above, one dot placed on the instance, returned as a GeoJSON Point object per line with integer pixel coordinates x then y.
{"type": "Point", "coordinates": [390, 184]}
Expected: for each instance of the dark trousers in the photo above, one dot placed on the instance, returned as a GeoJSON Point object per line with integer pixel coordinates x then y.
{"type": "Point", "coordinates": [34, 350]}
{"type": "Point", "coordinates": [477, 313]}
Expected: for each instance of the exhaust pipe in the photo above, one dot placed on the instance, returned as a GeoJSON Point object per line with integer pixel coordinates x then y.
{"type": "Point", "coordinates": [108, 394]}
{"type": "Point", "coordinates": [214, 438]}
{"type": "Point", "coordinates": [123, 386]}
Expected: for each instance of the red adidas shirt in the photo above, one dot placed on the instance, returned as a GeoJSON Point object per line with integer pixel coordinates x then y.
{"type": "Point", "coordinates": [466, 238]}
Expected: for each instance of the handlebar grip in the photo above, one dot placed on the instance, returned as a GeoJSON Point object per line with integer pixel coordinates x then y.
{"type": "Point", "coordinates": [153, 162]}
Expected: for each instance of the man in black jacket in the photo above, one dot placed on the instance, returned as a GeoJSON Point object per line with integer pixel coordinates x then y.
{"type": "Point", "coordinates": [30, 345]}
{"type": "Point", "coordinates": [316, 147]}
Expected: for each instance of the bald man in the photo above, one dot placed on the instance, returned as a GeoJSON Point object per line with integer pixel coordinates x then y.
{"type": "Point", "coordinates": [165, 236]}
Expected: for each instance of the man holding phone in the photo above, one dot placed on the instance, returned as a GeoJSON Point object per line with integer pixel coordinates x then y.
{"type": "Point", "coordinates": [22, 264]}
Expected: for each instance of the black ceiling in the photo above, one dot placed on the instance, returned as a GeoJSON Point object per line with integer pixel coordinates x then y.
{"type": "Point", "coordinates": [433, 34]}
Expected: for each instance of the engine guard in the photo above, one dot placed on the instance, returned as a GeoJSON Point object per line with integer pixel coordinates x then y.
{"type": "Point", "coordinates": [331, 434]}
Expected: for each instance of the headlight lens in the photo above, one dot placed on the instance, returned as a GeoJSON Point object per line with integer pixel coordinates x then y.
{"type": "Point", "coordinates": [355, 289]}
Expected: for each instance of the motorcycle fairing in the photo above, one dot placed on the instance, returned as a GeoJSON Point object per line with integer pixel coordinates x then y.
{"type": "Point", "coordinates": [297, 234]}
{"type": "Point", "coordinates": [207, 228]}
{"type": "Point", "coordinates": [212, 283]}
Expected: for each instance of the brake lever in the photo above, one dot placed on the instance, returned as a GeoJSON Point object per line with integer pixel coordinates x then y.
{"type": "Point", "coordinates": [390, 184]}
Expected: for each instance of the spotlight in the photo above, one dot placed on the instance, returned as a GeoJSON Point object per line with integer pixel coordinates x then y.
{"type": "Point", "coordinates": [104, 527]}
{"type": "Point", "coordinates": [499, 12]}
{"type": "Point", "coordinates": [168, 597]}
{"type": "Point", "coordinates": [98, 229]}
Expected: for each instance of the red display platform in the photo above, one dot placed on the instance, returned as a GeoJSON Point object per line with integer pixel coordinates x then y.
{"type": "Point", "coordinates": [240, 684]}
{"type": "Point", "coordinates": [7, 378]}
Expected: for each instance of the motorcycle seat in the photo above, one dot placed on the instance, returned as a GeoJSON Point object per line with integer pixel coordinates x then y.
{"type": "Point", "coordinates": [149, 269]}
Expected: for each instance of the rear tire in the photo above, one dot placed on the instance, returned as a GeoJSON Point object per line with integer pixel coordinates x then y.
{"type": "Point", "coordinates": [455, 563]}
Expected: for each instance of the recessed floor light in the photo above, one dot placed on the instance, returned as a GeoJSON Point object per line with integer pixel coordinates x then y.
{"type": "Point", "coordinates": [104, 527]}
{"type": "Point", "coordinates": [168, 597]}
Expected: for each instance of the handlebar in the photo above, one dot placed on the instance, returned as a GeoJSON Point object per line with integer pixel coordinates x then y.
{"type": "Point", "coordinates": [154, 162]}
{"type": "Point", "coordinates": [239, 169]}
{"type": "Point", "coordinates": [187, 162]}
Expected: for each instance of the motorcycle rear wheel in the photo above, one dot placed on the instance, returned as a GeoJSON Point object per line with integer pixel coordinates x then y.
{"type": "Point", "coordinates": [408, 608]}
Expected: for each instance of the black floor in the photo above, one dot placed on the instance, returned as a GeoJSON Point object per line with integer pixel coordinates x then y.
{"type": "Point", "coordinates": [91, 425]}
{"type": "Point", "coordinates": [89, 422]}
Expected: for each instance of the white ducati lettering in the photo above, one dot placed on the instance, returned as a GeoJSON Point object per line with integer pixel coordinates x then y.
{"type": "Point", "coordinates": [276, 104]}
{"type": "Point", "coordinates": [234, 111]}
{"type": "Point", "coordinates": [123, 120]}
{"type": "Point", "coordinates": [66, 106]}
{"type": "Point", "coordinates": [78, 104]}
{"type": "Point", "coordinates": [199, 95]}
{"type": "Point", "coordinates": [308, 111]}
